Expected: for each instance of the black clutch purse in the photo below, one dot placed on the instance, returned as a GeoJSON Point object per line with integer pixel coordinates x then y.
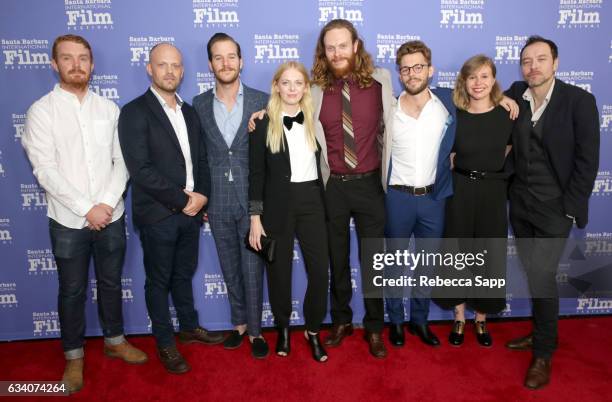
{"type": "Point", "coordinates": [268, 247]}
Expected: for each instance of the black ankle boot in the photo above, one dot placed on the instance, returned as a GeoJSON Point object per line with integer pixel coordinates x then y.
{"type": "Point", "coordinates": [318, 352]}
{"type": "Point", "coordinates": [283, 343]}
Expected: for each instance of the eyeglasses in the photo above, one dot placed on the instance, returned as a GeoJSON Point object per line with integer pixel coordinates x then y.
{"type": "Point", "coordinates": [417, 68]}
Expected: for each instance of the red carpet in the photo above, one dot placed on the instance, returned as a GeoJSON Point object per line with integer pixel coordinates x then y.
{"type": "Point", "coordinates": [582, 370]}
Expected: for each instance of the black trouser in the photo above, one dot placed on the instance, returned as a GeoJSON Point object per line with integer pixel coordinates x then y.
{"type": "Point", "coordinates": [72, 249]}
{"type": "Point", "coordinates": [541, 230]}
{"type": "Point", "coordinates": [170, 251]}
{"type": "Point", "coordinates": [363, 199]}
{"type": "Point", "coordinates": [306, 220]}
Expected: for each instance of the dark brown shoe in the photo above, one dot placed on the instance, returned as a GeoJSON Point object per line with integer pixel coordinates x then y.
{"type": "Point", "coordinates": [337, 334]}
{"type": "Point", "coordinates": [538, 374]}
{"type": "Point", "coordinates": [522, 343]}
{"type": "Point", "coordinates": [377, 346]}
{"type": "Point", "coordinates": [200, 335]}
{"type": "Point", "coordinates": [172, 360]}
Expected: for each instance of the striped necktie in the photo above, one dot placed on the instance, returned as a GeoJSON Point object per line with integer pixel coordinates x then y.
{"type": "Point", "coordinates": [350, 154]}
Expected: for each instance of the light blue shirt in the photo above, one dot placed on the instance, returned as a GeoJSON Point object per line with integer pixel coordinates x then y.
{"type": "Point", "coordinates": [228, 121]}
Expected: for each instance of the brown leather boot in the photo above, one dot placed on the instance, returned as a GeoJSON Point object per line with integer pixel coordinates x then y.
{"type": "Point", "coordinates": [73, 375]}
{"type": "Point", "coordinates": [376, 344]}
{"type": "Point", "coordinates": [522, 343]}
{"type": "Point", "coordinates": [126, 352]}
{"type": "Point", "coordinates": [337, 334]}
{"type": "Point", "coordinates": [538, 374]}
{"type": "Point", "coordinates": [172, 360]}
{"type": "Point", "coordinates": [200, 335]}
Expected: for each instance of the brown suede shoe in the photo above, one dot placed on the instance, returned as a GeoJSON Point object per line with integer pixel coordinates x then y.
{"type": "Point", "coordinates": [538, 374]}
{"type": "Point", "coordinates": [172, 360]}
{"type": "Point", "coordinates": [337, 334]}
{"type": "Point", "coordinates": [126, 352]}
{"type": "Point", "coordinates": [73, 375]}
{"type": "Point", "coordinates": [377, 346]}
{"type": "Point", "coordinates": [200, 335]}
{"type": "Point", "coordinates": [522, 343]}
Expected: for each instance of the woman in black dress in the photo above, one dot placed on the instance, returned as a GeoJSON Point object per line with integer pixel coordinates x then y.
{"type": "Point", "coordinates": [476, 213]}
{"type": "Point", "coordinates": [286, 200]}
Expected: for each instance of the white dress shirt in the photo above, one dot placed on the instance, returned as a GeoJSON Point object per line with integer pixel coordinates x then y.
{"type": "Point", "coordinates": [302, 158]}
{"type": "Point", "coordinates": [75, 153]}
{"type": "Point", "coordinates": [180, 128]}
{"type": "Point", "coordinates": [536, 114]}
{"type": "Point", "coordinates": [416, 143]}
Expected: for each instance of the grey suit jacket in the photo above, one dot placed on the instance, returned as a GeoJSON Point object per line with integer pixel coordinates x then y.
{"type": "Point", "coordinates": [383, 76]}
{"type": "Point", "coordinates": [222, 158]}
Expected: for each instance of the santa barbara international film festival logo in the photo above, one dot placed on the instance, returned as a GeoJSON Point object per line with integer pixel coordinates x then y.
{"type": "Point", "coordinates": [204, 81]}
{"type": "Point", "coordinates": [267, 317]}
{"type": "Point", "coordinates": [127, 295]}
{"type": "Point", "coordinates": [5, 231]}
{"type": "Point", "coordinates": [45, 323]}
{"type": "Point", "coordinates": [446, 79]}
{"type": "Point", "coordinates": [214, 286]}
{"type": "Point", "coordinates": [579, 13]}
{"type": "Point", "coordinates": [350, 10]}
{"type": "Point", "coordinates": [276, 48]}
{"type": "Point", "coordinates": [33, 197]}
{"type": "Point", "coordinates": [508, 48]}
{"type": "Point", "coordinates": [26, 53]}
{"type": "Point", "coordinates": [105, 85]}
{"type": "Point", "coordinates": [41, 262]}
{"type": "Point", "coordinates": [581, 79]}
{"type": "Point", "coordinates": [603, 184]}
{"type": "Point", "coordinates": [461, 14]}
{"type": "Point", "coordinates": [18, 120]}
{"type": "Point", "coordinates": [88, 14]}
{"type": "Point", "coordinates": [387, 45]}
{"type": "Point", "coordinates": [215, 13]}
{"type": "Point", "coordinates": [606, 118]}
{"type": "Point", "coordinates": [140, 46]}
{"type": "Point", "coordinates": [8, 295]}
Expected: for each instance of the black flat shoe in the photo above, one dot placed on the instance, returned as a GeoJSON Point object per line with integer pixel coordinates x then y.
{"type": "Point", "coordinates": [234, 340]}
{"type": "Point", "coordinates": [259, 348]}
{"type": "Point", "coordinates": [283, 343]}
{"type": "Point", "coordinates": [396, 335]}
{"type": "Point", "coordinates": [482, 334]}
{"type": "Point", "coordinates": [455, 337]}
{"type": "Point", "coordinates": [424, 333]}
{"type": "Point", "coordinates": [318, 352]}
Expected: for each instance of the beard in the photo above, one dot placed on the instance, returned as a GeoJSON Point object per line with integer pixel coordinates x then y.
{"type": "Point", "coordinates": [75, 79]}
{"type": "Point", "coordinates": [343, 71]}
{"type": "Point", "coordinates": [168, 86]}
{"type": "Point", "coordinates": [538, 80]}
{"type": "Point", "coordinates": [226, 80]}
{"type": "Point", "coordinates": [418, 89]}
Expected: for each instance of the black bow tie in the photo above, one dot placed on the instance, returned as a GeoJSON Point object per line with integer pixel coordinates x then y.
{"type": "Point", "coordinates": [288, 120]}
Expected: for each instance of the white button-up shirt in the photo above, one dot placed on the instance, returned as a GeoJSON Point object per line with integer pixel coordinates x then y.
{"type": "Point", "coordinates": [74, 150]}
{"type": "Point", "coordinates": [416, 143]}
{"type": "Point", "coordinates": [302, 158]}
{"type": "Point", "coordinates": [536, 114]}
{"type": "Point", "coordinates": [180, 128]}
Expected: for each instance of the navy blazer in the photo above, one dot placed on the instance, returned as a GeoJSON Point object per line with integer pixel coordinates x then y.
{"type": "Point", "coordinates": [155, 161]}
{"type": "Point", "coordinates": [571, 140]}
{"type": "Point", "coordinates": [222, 158]}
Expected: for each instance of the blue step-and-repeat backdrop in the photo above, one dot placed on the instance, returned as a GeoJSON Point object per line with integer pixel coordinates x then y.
{"type": "Point", "coordinates": [270, 32]}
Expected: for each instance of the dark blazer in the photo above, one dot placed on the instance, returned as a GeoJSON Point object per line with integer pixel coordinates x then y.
{"type": "Point", "coordinates": [154, 159]}
{"type": "Point", "coordinates": [222, 158]}
{"type": "Point", "coordinates": [571, 140]}
{"type": "Point", "coordinates": [269, 178]}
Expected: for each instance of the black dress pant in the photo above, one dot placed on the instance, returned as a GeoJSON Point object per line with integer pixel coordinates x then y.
{"type": "Point", "coordinates": [306, 220]}
{"type": "Point", "coordinates": [363, 199]}
{"type": "Point", "coordinates": [541, 230]}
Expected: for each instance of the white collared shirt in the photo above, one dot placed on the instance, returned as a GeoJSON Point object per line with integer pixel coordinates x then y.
{"type": "Point", "coordinates": [536, 114]}
{"type": "Point", "coordinates": [416, 143]}
{"type": "Point", "coordinates": [180, 128]}
{"type": "Point", "coordinates": [75, 154]}
{"type": "Point", "coordinates": [302, 158]}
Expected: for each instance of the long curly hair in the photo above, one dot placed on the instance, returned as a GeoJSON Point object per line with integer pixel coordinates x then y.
{"type": "Point", "coordinates": [364, 67]}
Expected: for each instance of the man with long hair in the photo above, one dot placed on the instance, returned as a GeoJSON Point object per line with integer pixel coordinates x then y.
{"type": "Point", "coordinates": [352, 102]}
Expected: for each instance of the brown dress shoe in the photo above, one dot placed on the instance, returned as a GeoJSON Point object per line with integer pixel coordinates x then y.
{"type": "Point", "coordinates": [522, 343]}
{"type": "Point", "coordinates": [172, 360]}
{"type": "Point", "coordinates": [377, 346]}
{"type": "Point", "coordinates": [337, 334]}
{"type": "Point", "coordinates": [200, 335]}
{"type": "Point", "coordinates": [126, 352]}
{"type": "Point", "coordinates": [538, 374]}
{"type": "Point", "coordinates": [73, 375]}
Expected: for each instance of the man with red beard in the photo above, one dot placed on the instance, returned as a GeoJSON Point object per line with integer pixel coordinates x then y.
{"type": "Point", "coordinates": [352, 102]}
{"type": "Point", "coordinates": [71, 140]}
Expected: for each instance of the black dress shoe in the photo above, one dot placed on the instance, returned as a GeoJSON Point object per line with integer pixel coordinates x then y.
{"type": "Point", "coordinates": [259, 348]}
{"type": "Point", "coordinates": [424, 333]}
{"type": "Point", "coordinates": [396, 335]}
{"type": "Point", "coordinates": [318, 352]}
{"type": "Point", "coordinates": [283, 343]}
{"type": "Point", "coordinates": [234, 340]}
{"type": "Point", "coordinates": [455, 337]}
{"type": "Point", "coordinates": [482, 334]}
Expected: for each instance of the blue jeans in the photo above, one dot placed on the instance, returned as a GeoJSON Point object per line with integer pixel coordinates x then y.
{"type": "Point", "coordinates": [73, 249]}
